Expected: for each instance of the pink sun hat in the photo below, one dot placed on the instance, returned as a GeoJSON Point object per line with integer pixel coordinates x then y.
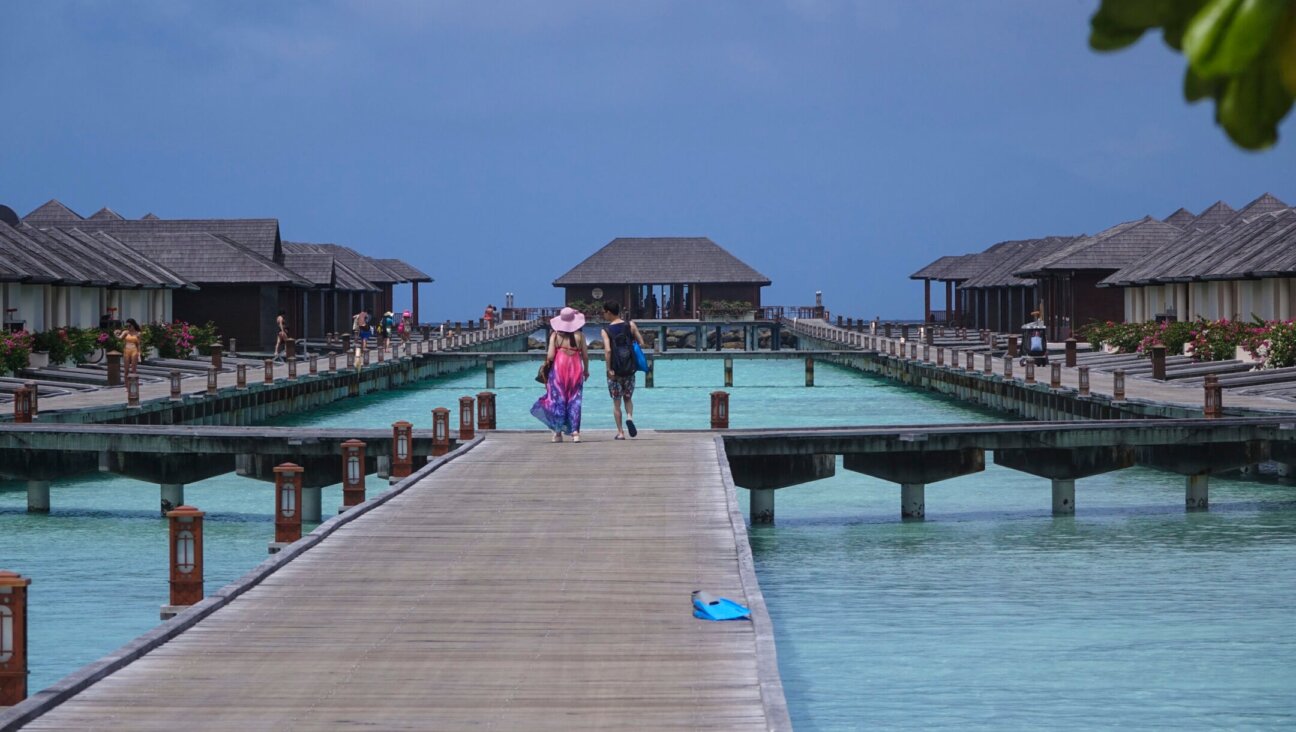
{"type": "Point", "coordinates": [568, 321]}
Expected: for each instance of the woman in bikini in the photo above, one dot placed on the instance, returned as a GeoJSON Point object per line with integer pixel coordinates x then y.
{"type": "Point", "coordinates": [568, 361]}
{"type": "Point", "coordinates": [131, 347]}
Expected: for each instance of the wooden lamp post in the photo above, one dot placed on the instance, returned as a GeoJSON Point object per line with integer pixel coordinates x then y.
{"type": "Point", "coordinates": [353, 473]}
{"type": "Point", "coordinates": [288, 494]}
{"type": "Point", "coordinates": [719, 410]}
{"type": "Point", "coordinates": [465, 418]}
{"type": "Point", "coordinates": [440, 431]}
{"type": "Point", "coordinates": [13, 638]}
{"type": "Point", "coordinates": [132, 391]}
{"type": "Point", "coordinates": [401, 459]}
{"type": "Point", "coordinates": [22, 405]}
{"type": "Point", "coordinates": [486, 410]}
{"type": "Point", "coordinates": [186, 555]}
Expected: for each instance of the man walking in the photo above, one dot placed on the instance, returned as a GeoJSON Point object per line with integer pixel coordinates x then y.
{"type": "Point", "coordinates": [618, 337]}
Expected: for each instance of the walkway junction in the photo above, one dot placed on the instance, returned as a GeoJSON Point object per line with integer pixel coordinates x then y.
{"type": "Point", "coordinates": [488, 588]}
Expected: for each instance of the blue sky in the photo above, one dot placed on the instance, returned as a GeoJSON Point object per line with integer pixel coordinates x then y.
{"type": "Point", "coordinates": [834, 146]}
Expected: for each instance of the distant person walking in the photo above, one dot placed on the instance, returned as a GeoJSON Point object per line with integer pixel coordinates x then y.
{"type": "Point", "coordinates": [567, 361]}
{"type": "Point", "coordinates": [385, 326]}
{"type": "Point", "coordinates": [489, 317]}
{"type": "Point", "coordinates": [281, 338]}
{"type": "Point", "coordinates": [360, 322]}
{"type": "Point", "coordinates": [405, 326]}
{"type": "Point", "coordinates": [618, 336]}
{"type": "Point", "coordinates": [132, 347]}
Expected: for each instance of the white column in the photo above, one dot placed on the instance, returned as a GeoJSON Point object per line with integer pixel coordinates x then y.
{"type": "Point", "coordinates": [1197, 492]}
{"type": "Point", "coordinates": [912, 501]}
{"type": "Point", "coordinates": [38, 496]}
{"type": "Point", "coordinates": [1063, 497]}
{"type": "Point", "coordinates": [172, 496]}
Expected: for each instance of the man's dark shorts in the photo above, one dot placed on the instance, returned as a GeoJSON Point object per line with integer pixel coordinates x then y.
{"type": "Point", "coordinates": [621, 386]}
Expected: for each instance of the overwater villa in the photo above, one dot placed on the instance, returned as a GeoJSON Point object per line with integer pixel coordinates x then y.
{"type": "Point", "coordinates": [667, 278]}
{"type": "Point", "coordinates": [64, 269]}
{"type": "Point", "coordinates": [1222, 263]}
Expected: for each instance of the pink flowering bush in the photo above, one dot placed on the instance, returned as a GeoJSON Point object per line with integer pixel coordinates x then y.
{"type": "Point", "coordinates": [178, 338]}
{"type": "Point", "coordinates": [1274, 343]}
{"type": "Point", "coordinates": [15, 351]}
{"type": "Point", "coordinates": [1218, 340]}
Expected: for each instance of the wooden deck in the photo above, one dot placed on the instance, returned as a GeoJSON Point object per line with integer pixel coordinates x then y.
{"type": "Point", "coordinates": [524, 585]}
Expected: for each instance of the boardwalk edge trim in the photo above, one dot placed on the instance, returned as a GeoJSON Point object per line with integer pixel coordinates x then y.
{"type": "Point", "coordinates": [74, 683]}
{"type": "Point", "coordinates": [773, 699]}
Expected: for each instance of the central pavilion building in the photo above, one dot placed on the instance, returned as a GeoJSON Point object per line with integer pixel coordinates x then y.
{"type": "Point", "coordinates": [663, 277]}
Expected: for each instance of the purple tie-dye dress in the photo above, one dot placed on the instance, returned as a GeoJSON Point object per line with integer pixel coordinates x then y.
{"type": "Point", "coordinates": [560, 407]}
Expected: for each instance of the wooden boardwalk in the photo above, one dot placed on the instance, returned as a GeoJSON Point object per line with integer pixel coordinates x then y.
{"type": "Point", "coordinates": [523, 585]}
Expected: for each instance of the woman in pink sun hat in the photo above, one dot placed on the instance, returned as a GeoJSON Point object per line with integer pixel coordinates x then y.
{"type": "Point", "coordinates": [568, 365]}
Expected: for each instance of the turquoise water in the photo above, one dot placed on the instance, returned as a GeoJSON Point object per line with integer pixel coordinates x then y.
{"type": "Point", "coordinates": [991, 614]}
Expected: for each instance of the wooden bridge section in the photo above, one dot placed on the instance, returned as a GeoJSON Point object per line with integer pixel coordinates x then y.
{"type": "Point", "coordinates": [522, 585]}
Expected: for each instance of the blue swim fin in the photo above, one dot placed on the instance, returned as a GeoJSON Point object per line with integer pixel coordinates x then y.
{"type": "Point", "coordinates": [709, 607]}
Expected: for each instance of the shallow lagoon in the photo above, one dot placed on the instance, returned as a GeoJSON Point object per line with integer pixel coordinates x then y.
{"type": "Point", "coordinates": [991, 614]}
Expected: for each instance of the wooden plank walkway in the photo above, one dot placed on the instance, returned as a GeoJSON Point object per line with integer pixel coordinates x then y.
{"type": "Point", "coordinates": [524, 585]}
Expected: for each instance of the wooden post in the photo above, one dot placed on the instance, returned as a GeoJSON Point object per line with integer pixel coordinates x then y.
{"type": "Point", "coordinates": [1118, 385]}
{"type": "Point", "coordinates": [22, 405]}
{"type": "Point", "coordinates": [269, 371]}
{"type": "Point", "coordinates": [648, 375]}
{"type": "Point", "coordinates": [114, 368]}
{"type": "Point", "coordinates": [1159, 362]}
{"type": "Point", "coordinates": [1070, 353]}
{"type": "Point", "coordinates": [1012, 346]}
{"type": "Point", "coordinates": [728, 371]}
{"type": "Point", "coordinates": [186, 524]}
{"type": "Point", "coordinates": [465, 418]}
{"type": "Point", "coordinates": [809, 371]}
{"type": "Point", "coordinates": [212, 383]}
{"type": "Point", "coordinates": [1055, 377]}
{"type": "Point", "coordinates": [1030, 371]}
{"type": "Point", "coordinates": [174, 378]}
{"type": "Point", "coordinates": [1084, 381]}
{"type": "Point", "coordinates": [240, 372]}
{"type": "Point", "coordinates": [1007, 367]}
{"type": "Point", "coordinates": [719, 410]}
{"type": "Point", "coordinates": [402, 460]}
{"type": "Point", "coordinates": [486, 410]}
{"type": "Point", "coordinates": [353, 473]}
{"type": "Point", "coordinates": [440, 431]}
{"type": "Point", "coordinates": [13, 638]}
{"type": "Point", "coordinates": [33, 391]}
{"type": "Point", "coordinates": [1213, 405]}
{"type": "Point", "coordinates": [132, 391]}
{"type": "Point", "coordinates": [216, 360]}
{"type": "Point", "coordinates": [288, 494]}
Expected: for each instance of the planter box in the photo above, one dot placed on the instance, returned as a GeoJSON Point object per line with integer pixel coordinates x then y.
{"type": "Point", "coordinates": [38, 360]}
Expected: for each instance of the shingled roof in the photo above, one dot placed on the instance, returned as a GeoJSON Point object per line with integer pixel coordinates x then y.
{"type": "Point", "coordinates": [406, 270]}
{"type": "Point", "coordinates": [322, 269]}
{"type": "Point", "coordinates": [1263, 245]}
{"type": "Point", "coordinates": [1217, 214]}
{"type": "Point", "coordinates": [937, 268]}
{"type": "Point", "coordinates": [1006, 257]}
{"type": "Point", "coordinates": [1263, 204]}
{"type": "Point", "coordinates": [1183, 218]}
{"type": "Point", "coordinates": [72, 257]}
{"type": "Point", "coordinates": [1111, 249]}
{"type": "Point", "coordinates": [52, 211]}
{"type": "Point", "coordinates": [367, 267]}
{"type": "Point", "coordinates": [258, 235]}
{"type": "Point", "coordinates": [106, 213]}
{"type": "Point", "coordinates": [207, 258]}
{"type": "Point", "coordinates": [661, 260]}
